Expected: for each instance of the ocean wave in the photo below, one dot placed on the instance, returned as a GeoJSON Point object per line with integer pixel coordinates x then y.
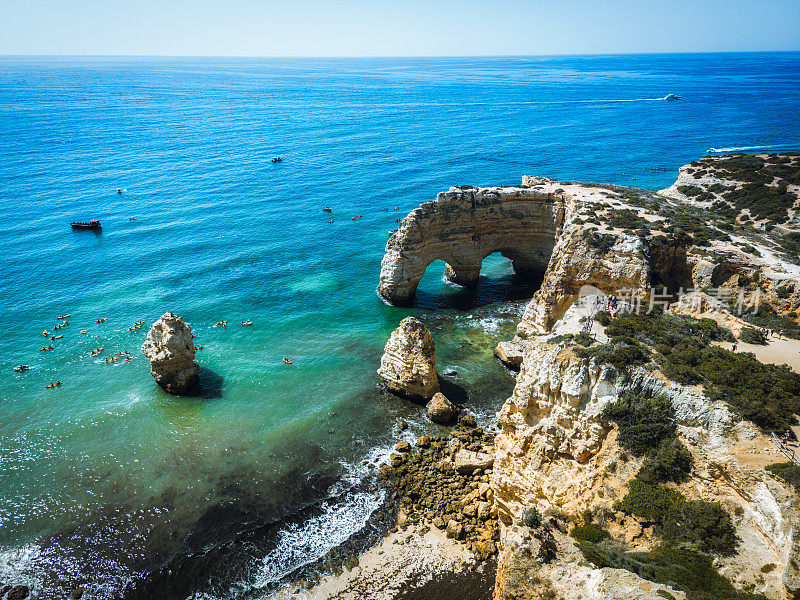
{"type": "Point", "coordinates": [301, 545]}
{"type": "Point", "coordinates": [740, 148]}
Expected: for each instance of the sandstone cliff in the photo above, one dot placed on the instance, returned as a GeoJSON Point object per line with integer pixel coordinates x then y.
{"type": "Point", "coordinates": [555, 452]}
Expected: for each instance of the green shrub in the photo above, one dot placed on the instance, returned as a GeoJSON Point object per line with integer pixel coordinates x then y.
{"type": "Point", "coordinates": [768, 395]}
{"type": "Point", "coordinates": [768, 568]}
{"type": "Point", "coordinates": [626, 218]}
{"type": "Point", "coordinates": [589, 533]}
{"type": "Point", "coordinates": [767, 317]}
{"type": "Point", "coordinates": [787, 471]}
{"type": "Point", "coordinates": [603, 317]}
{"type": "Point", "coordinates": [681, 568]}
{"type": "Point", "coordinates": [650, 501]}
{"type": "Point", "coordinates": [671, 461]}
{"type": "Point", "coordinates": [531, 518]}
{"type": "Point", "coordinates": [643, 422]}
{"type": "Point", "coordinates": [599, 241]}
{"type": "Point", "coordinates": [751, 335]}
{"type": "Point", "coordinates": [665, 594]}
{"type": "Point", "coordinates": [619, 352]}
{"type": "Point", "coordinates": [584, 339]}
{"type": "Point", "coordinates": [690, 190]}
{"type": "Point", "coordinates": [702, 525]}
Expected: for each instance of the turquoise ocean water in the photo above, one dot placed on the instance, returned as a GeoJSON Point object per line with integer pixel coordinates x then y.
{"type": "Point", "coordinates": [111, 483]}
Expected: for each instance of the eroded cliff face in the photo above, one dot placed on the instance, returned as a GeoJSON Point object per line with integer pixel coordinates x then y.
{"type": "Point", "coordinates": [555, 452]}
{"type": "Point", "coordinates": [465, 225]}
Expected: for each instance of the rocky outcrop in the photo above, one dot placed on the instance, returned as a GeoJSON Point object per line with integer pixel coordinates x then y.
{"type": "Point", "coordinates": [170, 349]}
{"type": "Point", "coordinates": [408, 364]}
{"type": "Point", "coordinates": [465, 225]}
{"type": "Point", "coordinates": [555, 452]}
{"type": "Point", "coordinates": [441, 410]}
{"type": "Point", "coordinates": [576, 262]}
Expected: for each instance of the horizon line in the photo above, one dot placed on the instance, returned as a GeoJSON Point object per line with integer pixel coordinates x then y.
{"type": "Point", "coordinates": [343, 56]}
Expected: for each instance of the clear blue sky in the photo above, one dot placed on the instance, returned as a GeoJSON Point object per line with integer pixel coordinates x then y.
{"type": "Point", "coordinates": [395, 28]}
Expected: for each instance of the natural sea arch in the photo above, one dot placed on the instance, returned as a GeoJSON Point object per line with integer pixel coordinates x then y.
{"type": "Point", "coordinates": [465, 225]}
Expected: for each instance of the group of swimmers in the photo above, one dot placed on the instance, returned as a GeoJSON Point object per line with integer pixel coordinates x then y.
{"type": "Point", "coordinates": [327, 209]}
{"type": "Point", "coordinates": [125, 355]}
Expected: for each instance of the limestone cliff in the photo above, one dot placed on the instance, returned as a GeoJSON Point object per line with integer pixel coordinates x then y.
{"type": "Point", "coordinates": [465, 225]}
{"type": "Point", "coordinates": [720, 235]}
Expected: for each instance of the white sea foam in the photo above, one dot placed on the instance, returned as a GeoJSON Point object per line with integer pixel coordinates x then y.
{"type": "Point", "coordinates": [16, 566]}
{"type": "Point", "coordinates": [300, 545]}
{"type": "Point", "coordinates": [740, 148]}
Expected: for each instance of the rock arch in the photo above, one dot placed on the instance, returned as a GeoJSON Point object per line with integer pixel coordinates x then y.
{"type": "Point", "coordinates": [465, 225]}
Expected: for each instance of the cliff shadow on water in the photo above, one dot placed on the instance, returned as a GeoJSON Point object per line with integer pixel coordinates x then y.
{"type": "Point", "coordinates": [497, 283]}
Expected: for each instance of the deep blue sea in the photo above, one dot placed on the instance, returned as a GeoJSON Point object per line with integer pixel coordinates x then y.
{"type": "Point", "coordinates": [110, 483]}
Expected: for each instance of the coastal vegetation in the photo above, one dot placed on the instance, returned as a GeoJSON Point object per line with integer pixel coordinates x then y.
{"type": "Point", "coordinates": [685, 569]}
{"type": "Point", "coordinates": [787, 471]}
{"type": "Point", "coordinates": [762, 192]}
{"type": "Point", "coordinates": [768, 395]}
{"type": "Point", "coordinates": [751, 335]}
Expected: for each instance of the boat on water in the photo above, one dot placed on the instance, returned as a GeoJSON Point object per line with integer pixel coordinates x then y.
{"type": "Point", "coordinates": [326, 209]}
{"type": "Point", "coordinates": [93, 224]}
{"type": "Point", "coordinates": [21, 368]}
{"type": "Point", "coordinates": [672, 97]}
{"type": "Point", "coordinates": [277, 159]}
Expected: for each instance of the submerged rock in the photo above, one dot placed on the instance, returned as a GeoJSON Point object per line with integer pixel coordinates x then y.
{"type": "Point", "coordinates": [170, 350]}
{"type": "Point", "coordinates": [408, 364]}
{"type": "Point", "coordinates": [18, 592]}
{"type": "Point", "coordinates": [441, 410]}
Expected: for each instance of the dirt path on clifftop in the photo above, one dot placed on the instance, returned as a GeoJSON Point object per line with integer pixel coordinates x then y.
{"type": "Point", "coordinates": [776, 352]}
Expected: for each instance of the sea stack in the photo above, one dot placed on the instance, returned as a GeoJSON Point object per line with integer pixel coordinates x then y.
{"type": "Point", "coordinates": [170, 349]}
{"type": "Point", "coordinates": [408, 364]}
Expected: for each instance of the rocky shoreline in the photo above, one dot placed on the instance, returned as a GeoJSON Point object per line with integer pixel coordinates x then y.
{"type": "Point", "coordinates": [550, 498]}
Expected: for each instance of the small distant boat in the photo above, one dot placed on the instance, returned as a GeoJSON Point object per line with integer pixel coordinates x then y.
{"type": "Point", "coordinates": [326, 209]}
{"type": "Point", "coordinates": [65, 316]}
{"type": "Point", "coordinates": [672, 97]}
{"type": "Point", "coordinates": [393, 231]}
{"type": "Point", "coordinates": [93, 224]}
{"type": "Point", "coordinates": [330, 221]}
{"type": "Point", "coordinates": [21, 368]}
{"type": "Point", "coordinates": [103, 320]}
{"type": "Point", "coordinates": [46, 349]}
{"type": "Point", "coordinates": [277, 159]}
{"type": "Point", "coordinates": [56, 337]}
{"type": "Point", "coordinates": [288, 361]}
{"type": "Point", "coordinates": [53, 385]}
